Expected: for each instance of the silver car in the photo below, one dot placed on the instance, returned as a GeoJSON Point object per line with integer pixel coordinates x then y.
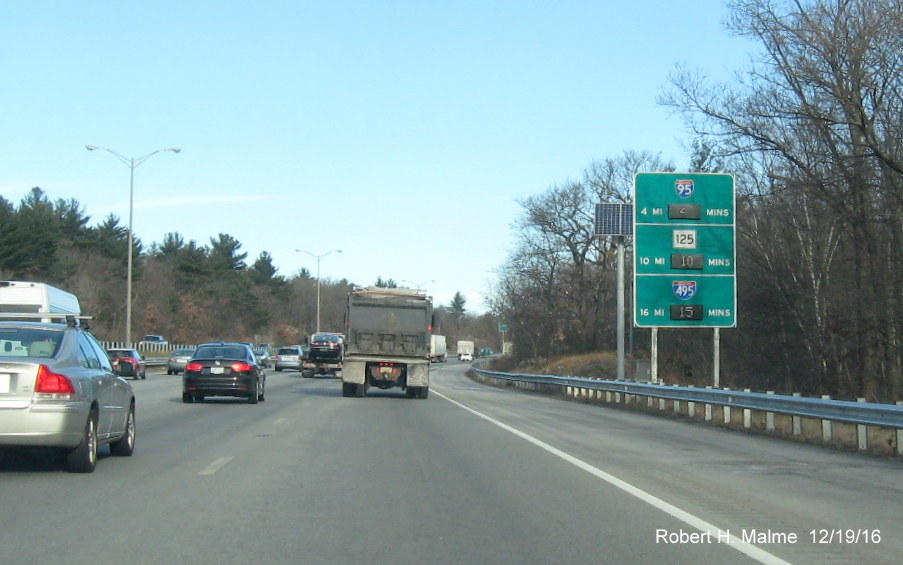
{"type": "Point", "coordinates": [58, 389]}
{"type": "Point", "coordinates": [263, 357]}
{"type": "Point", "coordinates": [288, 357]}
{"type": "Point", "coordinates": [177, 361]}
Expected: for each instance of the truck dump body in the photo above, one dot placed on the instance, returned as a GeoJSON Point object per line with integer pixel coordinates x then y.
{"type": "Point", "coordinates": [387, 340]}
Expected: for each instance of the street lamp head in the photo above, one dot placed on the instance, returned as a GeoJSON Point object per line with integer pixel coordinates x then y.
{"type": "Point", "coordinates": [175, 149]}
{"type": "Point", "coordinates": [91, 147]}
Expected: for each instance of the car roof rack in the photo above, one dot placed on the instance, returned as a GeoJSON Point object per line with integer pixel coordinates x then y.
{"type": "Point", "coordinates": [73, 320]}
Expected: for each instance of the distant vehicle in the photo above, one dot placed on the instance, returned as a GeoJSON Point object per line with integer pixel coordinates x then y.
{"type": "Point", "coordinates": [27, 297]}
{"type": "Point", "coordinates": [177, 361]}
{"type": "Point", "coordinates": [128, 363]}
{"type": "Point", "coordinates": [263, 357]}
{"type": "Point", "coordinates": [438, 349]}
{"type": "Point", "coordinates": [223, 369]}
{"type": "Point", "coordinates": [465, 356]}
{"type": "Point", "coordinates": [266, 346]}
{"type": "Point", "coordinates": [288, 357]}
{"type": "Point", "coordinates": [465, 348]}
{"type": "Point", "coordinates": [324, 354]}
{"type": "Point", "coordinates": [388, 341]}
{"type": "Point", "coordinates": [58, 389]}
{"type": "Point", "coordinates": [154, 340]}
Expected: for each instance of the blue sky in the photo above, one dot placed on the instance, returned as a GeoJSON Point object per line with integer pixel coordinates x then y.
{"type": "Point", "coordinates": [402, 132]}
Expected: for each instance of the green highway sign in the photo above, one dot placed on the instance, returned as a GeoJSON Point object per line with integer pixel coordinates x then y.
{"type": "Point", "coordinates": [684, 250]}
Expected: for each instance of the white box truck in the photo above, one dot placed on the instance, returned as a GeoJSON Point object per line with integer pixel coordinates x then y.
{"type": "Point", "coordinates": [28, 297]}
{"type": "Point", "coordinates": [465, 350]}
{"type": "Point", "coordinates": [438, 349]}
{"type": "Point", "coordinates": [387, 341]}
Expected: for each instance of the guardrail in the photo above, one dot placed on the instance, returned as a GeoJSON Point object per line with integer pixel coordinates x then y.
{"type": "Point", "coordinates": [861, 413]}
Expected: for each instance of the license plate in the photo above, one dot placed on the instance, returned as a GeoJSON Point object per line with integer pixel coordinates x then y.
{"type": "Point", "coordinates": [4, 382]}
{"type": "Point", "coordinates": [217, 370]}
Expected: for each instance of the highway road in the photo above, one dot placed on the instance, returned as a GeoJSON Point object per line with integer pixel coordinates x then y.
{"type": "Point", "coordinates": [472, 475]}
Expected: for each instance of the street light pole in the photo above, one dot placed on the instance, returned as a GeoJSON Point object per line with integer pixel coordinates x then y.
{"type": "Point", "coordinates": [318, 258]}
{"type": "Point", "coordinates": [420, 285]}
{"type": "Point", "coordinates": [131, 163]}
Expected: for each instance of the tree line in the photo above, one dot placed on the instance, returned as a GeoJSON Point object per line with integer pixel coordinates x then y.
{"type": "Point", "coordinates": [186, 291]}
{"type": "Point", "coordinates": [812, 130]}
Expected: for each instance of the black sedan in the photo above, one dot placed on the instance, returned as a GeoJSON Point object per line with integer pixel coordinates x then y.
{"type": "Point", "coordinates": [223, 369]}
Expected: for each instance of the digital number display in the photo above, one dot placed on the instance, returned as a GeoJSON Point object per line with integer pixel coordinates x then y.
{"type": "Point", "coordinates": [684, 211]}
{"type": "Point", "coordinates": [687, 261]}
{"type": "Point", "coordinates": [686, 312]}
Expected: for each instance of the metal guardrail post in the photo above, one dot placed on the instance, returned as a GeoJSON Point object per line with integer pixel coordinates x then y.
{"type": "Point", "coordinates": [797, 421]}
{"type": "Point", "coordinates": [827, 430]}
{"type": "Point", "coordinates": [769, 416]}
{"type": "Point", "coordinates": [726, 411]}
{"type": "Point", "coordinates": [747, 414]}
{"type": "Point", "coordinates": [862, 433]}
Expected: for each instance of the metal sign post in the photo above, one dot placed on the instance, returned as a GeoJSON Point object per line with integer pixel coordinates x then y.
{"type": "Point", "coordinates": [617, 219]}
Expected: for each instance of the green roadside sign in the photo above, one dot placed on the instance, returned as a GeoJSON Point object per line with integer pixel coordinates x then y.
{"type": "Point", "coordinates": [684, 259]}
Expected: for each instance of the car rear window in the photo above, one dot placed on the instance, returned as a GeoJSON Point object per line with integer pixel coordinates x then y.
{"type": "Point", "coordinates": [29, 342]}
{"type": "Point", "coordinates": [288, 351]}
{"type": "Point", "coordinates": [224, 352]}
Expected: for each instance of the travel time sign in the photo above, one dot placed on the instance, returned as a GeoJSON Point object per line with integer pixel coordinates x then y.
{"type": "Point", "coordinates": [684, 250]}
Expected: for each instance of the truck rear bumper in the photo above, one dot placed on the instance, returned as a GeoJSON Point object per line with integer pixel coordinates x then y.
{"type": "Point", "coordinates": [354, 369]}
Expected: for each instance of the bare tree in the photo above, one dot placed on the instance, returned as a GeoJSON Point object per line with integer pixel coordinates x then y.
{"type": "Point", "coordinates": [822, 102]}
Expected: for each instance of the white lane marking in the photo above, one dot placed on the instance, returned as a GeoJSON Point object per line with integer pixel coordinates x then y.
{"type": "Point", "coordinates": [216, 465]}
{"type": "Point", "coordinates": [746, 548]}
{"type": "Point", "coordinates": [279, 421]}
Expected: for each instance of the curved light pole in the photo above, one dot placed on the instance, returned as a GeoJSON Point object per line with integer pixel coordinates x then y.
{"type": "Point", "coordinates": [418, 286]}
{"type": "Point", "coordinates": [131, 163]}
{"type": "Point", "coordinates": [318, 258]}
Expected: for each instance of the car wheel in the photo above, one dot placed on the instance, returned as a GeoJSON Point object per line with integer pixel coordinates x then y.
{"type": "Point", "coordinates": [252, 394]}
{"type": "Point", "coordinates": [262, 396]}
{"type": "Point", "coordinates": [144, 375]}
{"type": "Point", "coordinates": [187, 398]}
{"type": "Point", "coordinates": [83, 458]}
{"type": "Point", "coordinates": [168, 371]}
{"type": "Point", "coordinates": [125, 446]}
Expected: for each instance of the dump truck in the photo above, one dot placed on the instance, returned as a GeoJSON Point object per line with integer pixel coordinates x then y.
{"type": "Point", "coordinates": [387, 341]}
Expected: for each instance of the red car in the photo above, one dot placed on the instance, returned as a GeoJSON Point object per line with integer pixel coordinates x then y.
{"type": "Point", "coordinates": [128, 363]}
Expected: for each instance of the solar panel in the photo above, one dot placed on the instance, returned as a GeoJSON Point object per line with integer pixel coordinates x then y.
{"type": "Point", "coordinates": [614, 219]}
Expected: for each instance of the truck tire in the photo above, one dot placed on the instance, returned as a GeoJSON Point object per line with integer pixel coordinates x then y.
{"type": "Point", "coordinates": [417, 392]}
{"type": "Point", "coordinates": [359, 390]}
{"type": "Point", "coordinates": [347, 390]}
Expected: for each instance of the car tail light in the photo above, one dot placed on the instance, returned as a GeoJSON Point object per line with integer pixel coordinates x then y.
{"type": "Point", "coordinates": [195, 366]}
{"type": "Point", "coordinates": [53, 386]}
{"type": "Point", "coordinates": [242, 367]}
